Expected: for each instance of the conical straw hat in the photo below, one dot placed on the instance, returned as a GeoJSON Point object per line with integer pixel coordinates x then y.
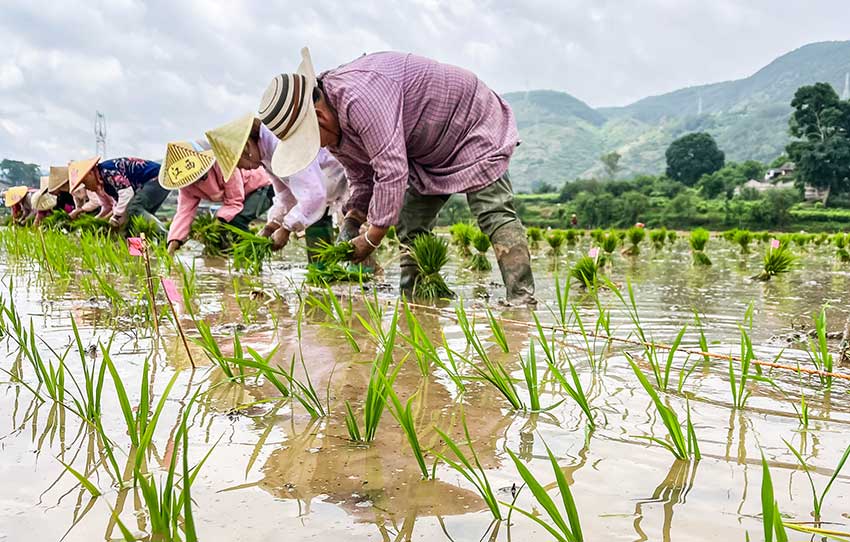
{"type": "Point", "coordinates": [15, 195]}
{"type": "Point", "coordinates": [228, 142]}
{"type": "Point", "coordinates": [42, 200]}
{"type": "Point", "coordinates": [185, 163]}
{"type": "Point", "coordinates": [79, 169]}
{"type": "Point", "coordinates": [58, 177]}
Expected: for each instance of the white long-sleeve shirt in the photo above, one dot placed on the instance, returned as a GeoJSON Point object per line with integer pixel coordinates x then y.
{"type": "Point", "coordinates": [303, 198]}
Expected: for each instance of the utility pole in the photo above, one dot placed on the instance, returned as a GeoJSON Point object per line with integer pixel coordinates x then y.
{"type": "Point", "coordinates": [100, 134]}
{"type": "Point", "coordinates": [846, 94]}
{"type": "Point", "coordinates": [699, 105]}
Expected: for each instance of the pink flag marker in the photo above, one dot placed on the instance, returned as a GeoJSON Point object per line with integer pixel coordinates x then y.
{"type": "Point", "coordinates": [135, 245]}
{"type": "Point", "coordinates": [594, 252]}
{"type": "Point", "coordinates": [774, 243]}
{"type": "Point", "coordinates": [171, 291]}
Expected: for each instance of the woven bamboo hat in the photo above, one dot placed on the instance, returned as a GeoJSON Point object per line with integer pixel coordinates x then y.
{"type": "Point", "coordinates": [79, 169]}
{"type": "Point", "coordinates": [15, 195]}
{"type": "Point", "coordinates": [186, 162]}
{"type": "Point", "coordinates": [58, 178]}
{"type": "Point", "coordinates": [42, 200]}
{"type": "Point", "coordinates": [228, 141]}
{"type": "Point", "coordinates": [287, 110]}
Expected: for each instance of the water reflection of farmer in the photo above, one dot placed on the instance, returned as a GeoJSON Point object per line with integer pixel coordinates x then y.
{"type": "Point", "coordinates": [410, 132]}
{"type": "Point", "coordinates": [303, 201]}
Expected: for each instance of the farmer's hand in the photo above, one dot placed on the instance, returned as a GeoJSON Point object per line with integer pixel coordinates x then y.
{"type": "Point", "coordinates": [269, 229]}
{"type": "Point", "coordinates": [75, 213]}
{"type": "Point", "coordinates": [363, 248]}
{"type": "Point", "coordinates": [280, 238]}
{"type": "Point", "coordinates": [116, 221]}
{"type": "Point", "coordinates": [350, 227]}
{"type": "Point", "coordinates": [172, 247]}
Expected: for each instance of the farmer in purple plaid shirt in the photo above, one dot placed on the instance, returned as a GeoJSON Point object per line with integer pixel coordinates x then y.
{"type": "Point", "coordinates": [410, 132]}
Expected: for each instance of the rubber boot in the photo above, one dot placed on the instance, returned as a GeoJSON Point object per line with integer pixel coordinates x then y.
{"type": "Point", "coordinates": [511, 248]}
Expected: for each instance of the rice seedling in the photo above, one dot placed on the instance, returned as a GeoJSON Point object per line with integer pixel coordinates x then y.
{"type": "Point", "coordinates": [489, 370]}
{"type": "Point", "coordinates": [529, 371]}
{"type": "Point", "coordinates": [215, 355]}
{"type": "Point", "coordinates": [817, 500]}
{"type": "Point", "coordinates": [566, 529]}
{"type": "Point", "coordinates": [609, 243]}
{"type": "Point", "coordinates": [562, 297]}
{"type": "Point", "coordinates": [777, 260]}
{"type": "Point", "coordinates": [682, 444]}
{"type": "Point", "coordinates": [333, 253]}
{"type": "Point", "coordinates": [380, 379]}
{"type": "Point", "coordinates": [743, 239]}
{"type": "Point", "coordinates": [404, 417]}
{"type": "Point", "coordinates": [211, 232]}
{"type": "Point", "coordinates": [818, 351]}
{"type": "Point", "coordinates": [658, 237]}
{"type": "Point", "coordinates": [469, 469]}
{"type": "Point", "coordinates": [555, 239]}
{"type": "Point", "coordinates": [801, 239]}
{"type": "Point", "coordinates": [572, 236]}
{"type": "Point", "coordinates": [574, 389]}
{"type": "Point", "coordinates": [479, 261]}
{"type": "Point", "coordinates": [319, 274]}
{"type": "Point", "coordinates": [820, 239]}
{"type": "Point", "coordinates": [339, 316]}
{"type": "Point", "coordinates": [840, 241]}
{"type": "Point", "coordinates": [88, 403]}
{"type": "Point", "coordinates": [535, 235]}
{"type": "Point", "coordinates": [764, 236]}
{"type": "Point", "coordinates": [585, 271]}
{"type": "Point", "coordinates": [249, 250]}
{"type": "Point", "coordinates": [672, 236]}
{"type": "Point", "coordinates": [597, 235]}
{"type": "Point", "coordinates": [463, 235]}
{"type": "Point", "coordinates": [699, 238]}
{"type": "Point", "coordinates": [58, 220]}
{"type": "Point", "coordinates": [430, 254]}
{"type": "Point", "coordinates": [738, 382]}
{"type": "Point", "coordinates": [423, 349]}
{"type": "Point", "coordinates": [770, 516]}
{"type": "Point", "coordinates": [91, 224]}
{"type": "Point", "coordinates": [139, 225]}
{"type": "Point", "coordinates": [498, 333]}
{"type": "Point", "coordinates": [635, 235]}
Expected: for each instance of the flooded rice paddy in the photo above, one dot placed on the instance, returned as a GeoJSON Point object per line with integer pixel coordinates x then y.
{"type": "Point", "coordinates": [275, 472]}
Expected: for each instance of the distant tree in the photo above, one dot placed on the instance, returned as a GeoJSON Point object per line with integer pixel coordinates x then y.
{"type": "Point", "coordinates": [17, 172]}
{"type": "Point", "coordinates": [692, 156]}
{"type": "Point", "coordinates": [751, 169]}
{"type": "Point", "coordinates": [821, 153]}
{"type": "Point", "coordinates": [455, 210]}
{"type": "Point", "coordinates": [775, 209]}
{"type": "Point", "coordinates": [611, 162]}
{"type": "Point", "coordinates": [542, 187]}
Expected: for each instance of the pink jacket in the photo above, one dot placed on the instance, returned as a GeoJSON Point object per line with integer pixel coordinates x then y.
{"type": "Point", "coordinates": [231, 194]}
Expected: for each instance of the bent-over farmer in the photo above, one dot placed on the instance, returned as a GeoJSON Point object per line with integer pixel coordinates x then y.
{"type": "Point", "coordinates": [409, 131]}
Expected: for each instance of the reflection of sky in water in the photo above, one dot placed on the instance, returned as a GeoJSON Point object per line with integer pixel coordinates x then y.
{"type": "Point", "coordinates": [274, 470]}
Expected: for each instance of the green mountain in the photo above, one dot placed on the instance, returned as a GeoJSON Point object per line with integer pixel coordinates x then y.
{"type": "Point", "coordinates": [563, 137]}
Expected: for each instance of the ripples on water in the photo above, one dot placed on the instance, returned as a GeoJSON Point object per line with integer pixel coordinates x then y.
{"type": "Point", "coordinates": [276, 472]}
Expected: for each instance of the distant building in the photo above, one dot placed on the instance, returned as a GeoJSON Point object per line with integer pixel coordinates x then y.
{"type": "Point", "coordinates": [764, 186]}
{"type": "Point", "coordinates": [786, 169]}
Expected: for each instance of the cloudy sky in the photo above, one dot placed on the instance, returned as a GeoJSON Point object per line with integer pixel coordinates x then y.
{"type": "Point", "coordinates": [167, 70]}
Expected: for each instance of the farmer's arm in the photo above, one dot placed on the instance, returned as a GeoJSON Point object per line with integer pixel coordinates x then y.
{"type": "Point", "coordinates": [234, 197]}
{"type": "Point", "coordinates": [187, 207]}
{"type": "Point", "coordinates": [308, 189]}
{"type": "Point", "coordinates": [124, 197]}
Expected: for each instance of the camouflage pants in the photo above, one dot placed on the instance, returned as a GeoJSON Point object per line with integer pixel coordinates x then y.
{"type": "Point", "coordinates": [493, 208]}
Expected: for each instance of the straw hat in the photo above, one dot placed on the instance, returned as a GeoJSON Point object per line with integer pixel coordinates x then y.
{"type": "Point", "coordinates": [287, 110]}
{"type": "Point", "coordinates": [228, 142]}
{"type": "Point", "coordinates": [79, 169]}
{"type": "Point", "coordinates": [15, 195]}
{"type": "Point", "coordinates": [58, 177]}
{"type": "Point", "coordinates": [185, 163]}
{"type": "Point", "coordinates": [42, 200]}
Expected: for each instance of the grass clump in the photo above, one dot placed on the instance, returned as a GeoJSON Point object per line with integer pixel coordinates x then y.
{"type": "Point", "coordinates": [431, 254]}
{"type": "Point", "coordinates": [699, 238]}
{"type": "Point", "coordinates": [479, 261]}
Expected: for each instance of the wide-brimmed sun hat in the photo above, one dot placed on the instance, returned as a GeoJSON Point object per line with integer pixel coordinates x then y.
{"type": "Point", "coordinates": [79, 169]}
{"type": "Point", "coordinates": [228, 141]}
{"type": "Point", "coordinates": [42, 200]}
{"type": "Point", "coordinates": [15, 195]}
{"type": "Point", "coordinates": [287, 110]}
{"type": "Point", "coordinates": [57, 178]}
{"type": "Point", "coordinates": [186, 162]}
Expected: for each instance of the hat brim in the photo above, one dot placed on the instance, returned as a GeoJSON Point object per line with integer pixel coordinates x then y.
{"type": "Point", "coordinates": [166, 182]}
{"type": "Point", "coordinates": [83, 172]}
{"type": "Point", "coordinates": [228, 142]}
{"type": "Point", "coordinates": [43, 201]}
{"type": "Point", "coordinates": [14, 196]}
{"type": "Point", "coordinates": [297, 151]}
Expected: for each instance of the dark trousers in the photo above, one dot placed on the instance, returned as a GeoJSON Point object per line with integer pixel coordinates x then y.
{"type": "Point", "coordinates": [256, 204]}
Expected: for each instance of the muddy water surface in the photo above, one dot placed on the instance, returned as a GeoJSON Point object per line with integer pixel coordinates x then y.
{"type": "Point", "coordinates": [276, 473]}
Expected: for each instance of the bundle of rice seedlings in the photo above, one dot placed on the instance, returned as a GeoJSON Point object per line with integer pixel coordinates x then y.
{"type": "Point", "coordinates": [597, 235]}
{"type": "Point", "coordinates": [801, 239]}
{"type": "Point", "coordinates": [610, 242]}
{"type": "Point", "coordinates": [90, 223]}
{"type": "Point", "coordinates": [821, 239]}
{"type": "Point", "coordinates": [730, 235]}
{"type": "Point", "coordinates": [212, 233]}
{"type": "Point", "coordinates": [462, 234]}
{"type": "Point", "coordinates": [743, 238]}
{"type": "Point", "coordinates": [777, 260]}
{"type": "Point", "coordinates": [622, 234]}
{"type": "Point", "coordinates": [479, 261]}
{"type": "Point", "coordinates": [572, 236]}
{"type": "Point", "coordinates": [658, 237]}
{"type": "Point", "coordinates": [840, 242]}
{"type": "Point", "coordinates": [250, 251]}
{"type": "Point", "coordinates": [765, 236]}
{"type": "Point", "coordinates": [430, 254]}
{"type": "Point", "coordinates": [585, 271]}
{"type": "Point", "coordinates": [556, 239]}
{"type": "Point", "coordinates": [635, 235]}
{"type": "Point", "coordinates": [535, 235]}
{"type": "Point", "coordinates": [672, 236]}
{"type": "Point", "coordinates": [57, 220]}
{"type": "Point", "coordinates": [319, 274]}
{"type": "Point", "coordinates": [139, 225]}
{"type": "Point", "coordinates": [330, 253]}
{"type": "Point", "coordinates": [699, 238]}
